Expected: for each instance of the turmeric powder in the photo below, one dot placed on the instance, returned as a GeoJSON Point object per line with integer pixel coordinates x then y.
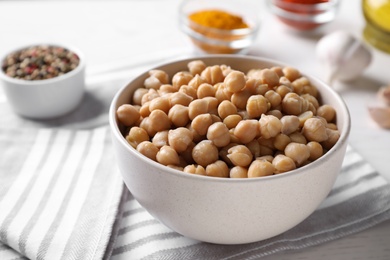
{"type": "Point", "coordinates": [218, 19]}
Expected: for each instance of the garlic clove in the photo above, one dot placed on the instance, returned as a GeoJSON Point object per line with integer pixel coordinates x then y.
{"type": "Point", "coordinates": [384, 95]}
{"type": "Point", "coordinates": [381, 116]}
{"type": "Point", "coordinates": [344, 57]}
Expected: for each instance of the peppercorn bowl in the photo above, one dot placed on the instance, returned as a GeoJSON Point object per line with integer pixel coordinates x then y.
{"type": "Point", "coordinates": [220, 27]}
{"type": "Point", "coordinates": [227, 210]}
{"type": "Point", "coordinates": [43, 81]}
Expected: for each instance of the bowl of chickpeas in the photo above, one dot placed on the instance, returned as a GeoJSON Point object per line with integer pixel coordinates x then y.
{"type": "Point", "coordinates": [229, 149]}
{"type": "Point", "coordinates": [43, 81]}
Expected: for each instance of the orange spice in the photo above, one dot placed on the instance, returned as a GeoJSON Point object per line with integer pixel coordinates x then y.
{"type": "Point", "coordinates": [219, 20]}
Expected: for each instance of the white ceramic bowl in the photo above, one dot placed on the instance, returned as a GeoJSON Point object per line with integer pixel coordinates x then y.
{"type": "Point", "coordinates": [47, 98]}
{"type": "Point", "coordinates": [228, 211]}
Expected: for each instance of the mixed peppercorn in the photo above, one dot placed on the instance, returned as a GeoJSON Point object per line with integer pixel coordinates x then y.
{"type": "Point", "coordinates": [40, 62]}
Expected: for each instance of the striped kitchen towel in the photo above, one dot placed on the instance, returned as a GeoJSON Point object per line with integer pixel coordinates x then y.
{"type": "Point", "coordinates": [359, 199]}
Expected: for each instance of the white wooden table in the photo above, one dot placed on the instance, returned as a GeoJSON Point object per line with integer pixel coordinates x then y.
{"type": "Point", "coordinates": [117, 35]}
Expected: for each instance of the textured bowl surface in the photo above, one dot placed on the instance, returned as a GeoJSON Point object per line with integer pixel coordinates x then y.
{"type": "Point", "coordinates": [228, 211]}
{"type": "Point", "coordinates": [48, 98]}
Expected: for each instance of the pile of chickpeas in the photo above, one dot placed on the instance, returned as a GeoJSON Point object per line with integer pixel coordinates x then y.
{"type": "Point", "coordinates": [221, 122]}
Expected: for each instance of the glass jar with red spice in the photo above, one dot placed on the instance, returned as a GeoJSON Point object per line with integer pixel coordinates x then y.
{"type": "Point", "coordinates": [304, 15]}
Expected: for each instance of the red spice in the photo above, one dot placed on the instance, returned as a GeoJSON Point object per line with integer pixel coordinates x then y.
{"type": "Point", "coordinates": [305, 11]}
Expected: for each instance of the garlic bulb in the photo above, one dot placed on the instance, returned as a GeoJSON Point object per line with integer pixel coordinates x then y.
{"type": "Point", "coordinates": [381, 116]}
{"type": "Point", "coordinates": [344, 57]}
{"type": "Point", "coordinates": [384, 95]}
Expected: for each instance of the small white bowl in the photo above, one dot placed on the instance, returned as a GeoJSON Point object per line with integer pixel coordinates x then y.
{"type": "Point", "coordinates": [223, 210]}
{"type": "Point", "coordinates": [47, 98]}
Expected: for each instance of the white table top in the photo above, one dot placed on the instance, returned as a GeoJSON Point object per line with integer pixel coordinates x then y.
{"type": "Point", "coordinates": [113, 34]}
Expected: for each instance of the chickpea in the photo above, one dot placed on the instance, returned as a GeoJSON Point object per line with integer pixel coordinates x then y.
{"type": "Point", "coordinates": [223, 153]}
{"type": "Point", "coordinates": [269, 143]}
{"type": "Point", "coordinates": [327, 112]}
{"type": "Point", "coordinates": [239, 99]}
{"type": "Point", "coordinates": [161, 75]}
{"type": "Point", "coordinates": [231, 121]}
{"type": "Point", "coordinates": [276, 113]}
{"type": "Point", "coordinates": [240, 155]}
{"type": "Point", "coordinates": [161, 103]}
{"type": "Point", "coordinates": [166, 89]}
{"type": "Point", "coordinates": [226, 108]}
{"type": "Point", "coordinates": [269, 77]}
{"type": "Point", "coordinates": [311, 99]}
{"type": "Point", "coordinates": [146, 125]}
{"type": "Point", "coordinates": [212, 74]}
{"type": "Point", "coordinates": [179, 139]}
{"type": "Point", "coordinates": [255, 148]}
{"type": "Point", "coordinates": [144, 111]}
{"type": "Point", "coordinates": [332, 126]}
{"type": "Point", "coordinates": [205, 153]}
{"type": "Point", "coordinates": [195, 169]}
{"type": "Point", "coordinates": [278, 70]}
{"type": "Point", "coordinates": [201, 123]}
{"type": "Point", "coordinates": [268, 158]}
{"type": "Point", "coordinates": [246, 130]}
{"type": "Point", "coordinates": [221, 93]}
{"type": "Point", "coordinates": [298, 152]}
{"type": "Point", "coordinates": [159, 121]}
{"type": "Point", "coordinates": [255, 86]}
{"type": "Point", "coordinates": [180, 98]}
{"type": "Point", "coordinates": [298, 137]}
{"type": "Point", "coordinates": [218, 169]}
{"type": "Point", "coordinates": [150, 95]}
{"type": "Point", "coordinates": [187, 154]}
{"type": "Point", "coordinates": [281, 141]}
{"type": "Point", "coordinates": [212, 105]}
{"type": "Point", "coordinates": [291, 73]}
{"type": "Point", "coordinates": [286, 82]}
{"type": "Point", "coordinates": [314, 129]}
{"type": "Point", "coordinates": [283, 163]}
{"type": "Point", "coordinates": [256, 106]}
{"type": "Point", "coordinates": [273, 98]}
{"type": "Point", "coordinates": [152, 82]}
{"type": "Point", "coordinates": [315, 149]}
{"type": "Point", "coordinates": [218, 133]}
{"type": "Point", "coordinates": [299, 84]}
{"type": "Point", "coordinates": [333, 137]}
{"type": "Point", "coordinates": [293, 104]}
{"type": "Point", "coordinates": [148, 149]}
{"type": "Point", "coordinates": [304, 116]}
{"type": "Point", "coordinates": [196, 67]}
{"type": "Point", "coordinates": [235, 81]}
{"type": "Point", "coordinates": [127, 114]}
{"type": "Point", "coordinates": [178, 115]}
{"type": "Point", "coordinates": [270, 126]}
{"type": "Point", "coordinates": [196, 136]}
{"type": "Point", "coordinates": [205, 90]}
{"type": "Point", "coordinates": [243, 114]}
{"type": "Point", "coordinates": [136, 136]}
{"type": "Point", "coordinates": [311, 90]}
{"type": "Point", "coordinates": [260, 168]}
{"type": "Point", "coordinates": [197, 107]}
{"type": "Point", "coordinates": [290, 124]}
{"type": "Point", "coordinates": [283, 90]}
{"type": "Point", "coordinates": [160, 138]}
{"type": "Point", "coordinates": [238, 172]}
{"type": "Point", "coordinates": [181, 78]}
{"type": "Point", "coordinates": [196, 81]}
{"type": "Point", "coordinates": [137, 96]}
{"type": "Point", "coordinates": [167, 156]}
{"type": "Point", "coordinates": [188, 90]}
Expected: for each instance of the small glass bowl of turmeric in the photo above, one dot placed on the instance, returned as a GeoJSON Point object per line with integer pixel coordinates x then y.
{"type": "Point", "coordinates": [220, 26]}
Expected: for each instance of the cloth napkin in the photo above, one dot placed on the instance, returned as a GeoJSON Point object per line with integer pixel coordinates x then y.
{"type": "Point", "coordinates": [62, 196]}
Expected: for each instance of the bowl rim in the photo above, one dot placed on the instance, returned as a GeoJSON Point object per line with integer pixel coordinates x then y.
{"type": "Point", "coordinates": [81, 66]}
{"type": "Point", "coordinates": [116, 133]}
{"type": "Point", "coordinates": [322, 6]}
